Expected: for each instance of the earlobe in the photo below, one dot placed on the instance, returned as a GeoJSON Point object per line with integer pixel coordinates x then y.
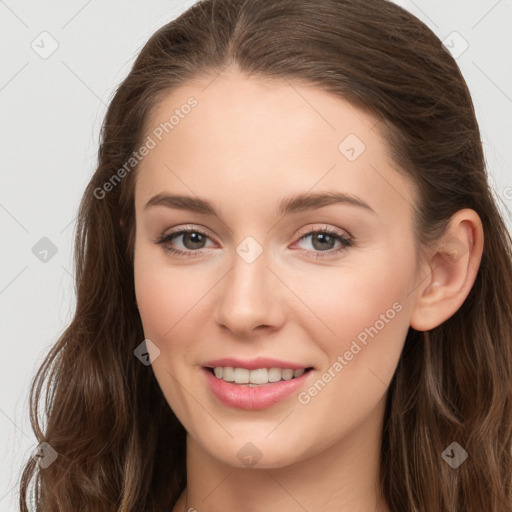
{"type": "Point", "coordinates": [450, 271]}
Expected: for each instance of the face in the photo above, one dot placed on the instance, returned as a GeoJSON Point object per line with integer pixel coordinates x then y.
{"type": "Point", "coordinates": [265, 282]}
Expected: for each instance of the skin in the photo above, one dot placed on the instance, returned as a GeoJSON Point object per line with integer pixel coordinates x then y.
{"type": "Point", "coordinates": [248, 144]}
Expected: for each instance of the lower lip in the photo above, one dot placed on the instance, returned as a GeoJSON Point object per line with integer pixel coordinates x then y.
{"type": "Point", "coordinates": [258, 397]}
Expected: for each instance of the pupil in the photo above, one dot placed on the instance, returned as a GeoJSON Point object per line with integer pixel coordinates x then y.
{"type": "Point", "coordinates": [322, 237]}
{"type": "Point", "coordinates": [192, 236]}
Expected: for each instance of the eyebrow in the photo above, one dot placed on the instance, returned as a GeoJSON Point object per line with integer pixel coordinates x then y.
{"type": "Point", "coordinates": [289, 205]}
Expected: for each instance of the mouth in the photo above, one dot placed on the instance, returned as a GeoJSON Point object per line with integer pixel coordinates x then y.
{"type": "Point", "coordinates": [256, 388]}
{"type": "Point", "coordinates": [256, 377]}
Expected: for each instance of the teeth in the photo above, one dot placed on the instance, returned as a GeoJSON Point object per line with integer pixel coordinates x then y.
{"type": "Point", "coordinates": [274, 374]}
{"type": "Point", "coordinates": [241, 376]}
{"type": "Point", "coordinates": [257, 376]}
{"type": "Point", "coordinates": [228, 374]}
{"type": "Point", "coordinates": [287, 374]}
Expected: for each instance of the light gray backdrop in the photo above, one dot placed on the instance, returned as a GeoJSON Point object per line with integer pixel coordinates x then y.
{"type": "Point", "coordinates": [59, 65]}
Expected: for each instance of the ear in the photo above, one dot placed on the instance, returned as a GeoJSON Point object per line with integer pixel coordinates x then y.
{"type": "Point", "coordinates": [448, 272]}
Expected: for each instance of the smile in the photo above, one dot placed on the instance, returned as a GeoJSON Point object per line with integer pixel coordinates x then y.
{"type": "Point", "coordinates": [258, 376]}
{"type": "Point", "coordinates": [258, 388]}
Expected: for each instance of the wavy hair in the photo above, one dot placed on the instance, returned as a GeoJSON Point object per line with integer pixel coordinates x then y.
{"type": "Point", "coordinates": [120, 447]}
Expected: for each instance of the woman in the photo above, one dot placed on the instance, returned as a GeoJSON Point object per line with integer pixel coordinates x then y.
{"type": "Point", "coordinates": [221, 357]}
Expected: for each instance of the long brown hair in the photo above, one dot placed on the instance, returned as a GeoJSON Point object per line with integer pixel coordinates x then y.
{"type": "Point", "coordinates": [120, 447]}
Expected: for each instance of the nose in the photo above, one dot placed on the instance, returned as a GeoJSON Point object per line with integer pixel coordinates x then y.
{"type": "Point", "coordinates": [250, 298]}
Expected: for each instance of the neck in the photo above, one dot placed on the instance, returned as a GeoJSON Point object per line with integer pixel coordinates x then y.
{"type": "Point", "coordinates": [343, 476]}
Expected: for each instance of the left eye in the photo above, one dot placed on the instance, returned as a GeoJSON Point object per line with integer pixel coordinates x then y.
{"type": "Point", "coordinates": [327, 237]}
{"type": "Point", "coordinates": [194, 240]}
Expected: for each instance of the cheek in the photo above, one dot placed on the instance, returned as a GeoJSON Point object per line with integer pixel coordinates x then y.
{"type": "Point", "coordinates": [157, 295]}
{"type": "Point", "coordinates": [168, 298]}
{"type": "Point", "coordinates": [363, 316]}
{"type": "Point", "coordinates": [368, 314]}
{"type": "Point", "coordinates": [161, 302]}
{"type": "Point", "coordinates": [352, 299]}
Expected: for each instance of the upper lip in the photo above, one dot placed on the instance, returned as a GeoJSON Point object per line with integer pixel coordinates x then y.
{"type": "Point", "coordinates": [253, 364]}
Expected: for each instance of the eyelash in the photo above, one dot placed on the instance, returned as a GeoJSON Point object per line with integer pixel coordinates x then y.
{"type": "Point", "coordinates": [164, 240]}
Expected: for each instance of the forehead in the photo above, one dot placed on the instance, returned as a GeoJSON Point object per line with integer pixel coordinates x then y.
{"type": "Point", "coordinates": [252, 141]}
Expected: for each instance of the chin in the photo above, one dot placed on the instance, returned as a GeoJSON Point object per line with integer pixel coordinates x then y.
{"type": "Point", "coordinates": [257, 454]}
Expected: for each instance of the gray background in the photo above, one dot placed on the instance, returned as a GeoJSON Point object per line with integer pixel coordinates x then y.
{"type": "Point", "coordinates": [51, 111]}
